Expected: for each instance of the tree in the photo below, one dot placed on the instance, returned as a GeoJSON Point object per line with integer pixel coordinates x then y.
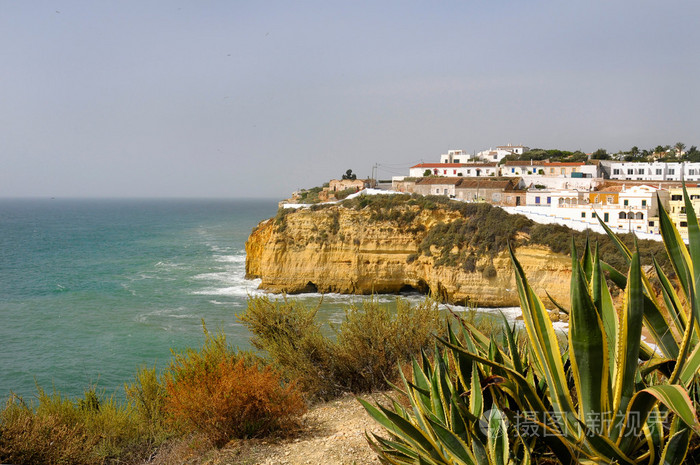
{"type": "Point", "coordinates": [680, 146]}
{"type": "Point", "coordinates": [349, 175]}
{"type": "Point", "coordinates": [427, 173]}
{"type": "Point", "coordinates": [600, 154]}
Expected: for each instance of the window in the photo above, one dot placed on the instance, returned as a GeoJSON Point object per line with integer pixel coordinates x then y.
{"type": "Point", "coordinates": [676, 197]}
{"type": "Point", "coordinates": [659, 172]}
{"type": "Point", "coordinates": [616, 171]}
{"type": "Point", "coordinates": [445, 191]}
{"type": "Point", "coordinates": [563, 171]}
{"type": "Point", "coordinates": [691, 172]}
{"type": "Point", "coordinates": [684, 224]}
{"type": "Point", "coordinates": [627, 202]}
{"type": "Point", "coordinates": [454, 171]}
{"type": "Point", "coordinates": [551, 171]}
{"type": "Point", "coordinates": [456, 160]}
{"type": "Point", "coordinates": [549, 200]}
{"type": "Point", "coordinates": [611, 199]}
{"type": "Point", "coordinates": [537, 200]}
{"type": "Point", "coordinates": [444, 171]}
{"type": "Point", "coordinates": [512, 170]}
{"type": "Point", "coordinates": [640, 171]}
{"type": "Point", "coordinates": [622, 216]}
{"type": "Point", "coordinates": [671, 171]}
{"type": "Point", "coordinates": [606, 217]}
{"type": "Point", "coordinates": [644, 203]}
{"type": "Point", "coordinates": [630, 171]}
{"type": "Point", "coordinates": [583, 214]}
{"type": "Point", "coordinates": [651, 223]}
{"type": "Point", "coordinates": [593, 215]}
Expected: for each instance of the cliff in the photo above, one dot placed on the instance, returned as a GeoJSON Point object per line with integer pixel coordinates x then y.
{"type": "Point", "coordinates": [364, 249]}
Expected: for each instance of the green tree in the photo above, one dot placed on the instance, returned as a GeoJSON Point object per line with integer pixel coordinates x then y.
{"type": "Point", "coordinates": [680, 146]}
{"type": "Point", "coordinates": [349, 175]}
{"type": "Point", "coordinates": [600, 154]}
{"type": "Point", "coordinates": [427, 173]}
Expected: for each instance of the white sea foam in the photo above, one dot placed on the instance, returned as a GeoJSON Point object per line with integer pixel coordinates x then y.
{"type": "Point", "coordinates": [230, 258]}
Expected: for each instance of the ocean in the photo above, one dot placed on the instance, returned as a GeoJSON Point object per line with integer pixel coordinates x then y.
{"type": "Point", "coordinates": [90, 290]}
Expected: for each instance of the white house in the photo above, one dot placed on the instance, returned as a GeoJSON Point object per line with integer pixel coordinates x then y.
{"type": "Point", "coordinates": [634, 209]}
{"type": "Point", "coordinates": [453, 169]}
{"type": "Point", "coordinates": [501, 152]}
{"type": "Point", "coordinates": [455, 156]}
{"type": "Point", "coordinates": [655, 171]}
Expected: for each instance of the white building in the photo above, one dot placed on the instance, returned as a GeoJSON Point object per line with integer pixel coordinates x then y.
{"type": "Point", "coordinates": [656, 171]}
{"type": "Point", "coordinates": [453, 169]}
{"type": "Point", "coordinates": [455, 156]}
{"type": "Point", "coordinates": [501, 152]}
{"type": "Point", "coordinates": [634, 209]}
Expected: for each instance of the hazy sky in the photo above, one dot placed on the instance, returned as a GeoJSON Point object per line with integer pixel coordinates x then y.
{"type": "Point", "coordinates": [235, 98]}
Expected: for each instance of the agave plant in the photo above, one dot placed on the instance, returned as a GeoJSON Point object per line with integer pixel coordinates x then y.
{"type": "Point", "coordinates": [608, 397]}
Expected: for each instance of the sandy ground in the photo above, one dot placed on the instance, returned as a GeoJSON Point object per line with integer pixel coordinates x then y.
{"type": "Point", "coordinates": [332, 433]}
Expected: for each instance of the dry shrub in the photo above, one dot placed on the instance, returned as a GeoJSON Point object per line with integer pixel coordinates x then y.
{"type": "Point", "coordinates": [217, 392]}
{"type": "Point", "coordinates": [28, 438]}
{"type": "Point", "coordinates": [367, 350]}
{"type": "Point", "coordinates": [91, 430]}
{"type": "Point", "coordinates": [373, 341]}
{"type": "Point", "coordinates": [288, 332]}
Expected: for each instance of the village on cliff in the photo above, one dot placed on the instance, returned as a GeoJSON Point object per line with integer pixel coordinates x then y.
{"type": "Point", "coordinates": [626, 195]}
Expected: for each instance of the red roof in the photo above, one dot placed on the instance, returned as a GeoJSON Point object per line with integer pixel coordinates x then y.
{"type": "Point", "coordinates": [559, 163]}
{"type": "Point", "coordinates": [454, 165]}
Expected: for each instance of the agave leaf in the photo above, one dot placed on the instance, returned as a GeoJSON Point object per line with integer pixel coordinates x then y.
{"type": "Point", "coordinates": [459, 451]}
{"type": "Point", "coordinates": [671, 299]}
{"type": "Point", "coordinates": [686, 343]}
{"type": "Point", "coordinates": [602, 449]}
{"type": "Point", "coordinates": [672, 396]}
{"type": "Point", "coordinates": [676, 250]}
{"type": "Point", "coordinates": [608, 315]}
{"type": "Point", "coordinates": [693, 237]}
{"type": "Point", "coordinates": [476, 399]}
{"type": "Point", "coordinates": [655, 321]}
{"type": "Point", "coordinates": [691, 367]}
{"type": "Point", "coordinates": [624, 250]}
{"type": "Point", "coordinates": [587, 260]}
{"type": "Point", "coordinates": [401, 449]}
{"type": "Point", "coordinates": [498, 439]}
{"type": "Point", "coordinates": [462, 368]}
{"type": "Point", "coordinates": [512, 346]}
{"type": "Point", "coordinates": [654, 434]}
{"type": "Point", "coordinates": [628, 343]}
{"type": "Point", "coordinates": [557, 304]}
{"type": "Point", "coordinates": [437, 399]}
{"type": "Point", "coordinates": [588, 346]}
{"type": "Point", "coordinates": [554, 439]}
{"type": "Point", "coordinates": [545, 346]}
{"type": "Point", "coordinates": [404, 429]}
{"type": "Point", "coordinates": [677, 445]}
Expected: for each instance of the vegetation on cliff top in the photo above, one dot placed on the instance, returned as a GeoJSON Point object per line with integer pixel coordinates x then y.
{"type": "Point", "coordinates": [479, 230]}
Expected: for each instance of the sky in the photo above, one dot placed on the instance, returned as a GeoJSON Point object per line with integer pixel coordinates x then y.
{"type": "Point", "coordinates": [238, 98]}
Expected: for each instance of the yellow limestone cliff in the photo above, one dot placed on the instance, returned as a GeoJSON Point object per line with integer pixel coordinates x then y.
{"type": "Point", "coordinates": [349, 251]}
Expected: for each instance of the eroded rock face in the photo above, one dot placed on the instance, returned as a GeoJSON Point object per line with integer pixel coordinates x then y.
{"type": "Point", "coordinates": [337, 249]}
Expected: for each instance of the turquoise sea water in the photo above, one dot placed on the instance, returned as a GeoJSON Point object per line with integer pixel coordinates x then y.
{"type": "Point", "coordinates": [92, 289]}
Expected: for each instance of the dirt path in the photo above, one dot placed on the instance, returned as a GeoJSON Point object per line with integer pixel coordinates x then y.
{"type": "Point", "coordinates": [332, 433]}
